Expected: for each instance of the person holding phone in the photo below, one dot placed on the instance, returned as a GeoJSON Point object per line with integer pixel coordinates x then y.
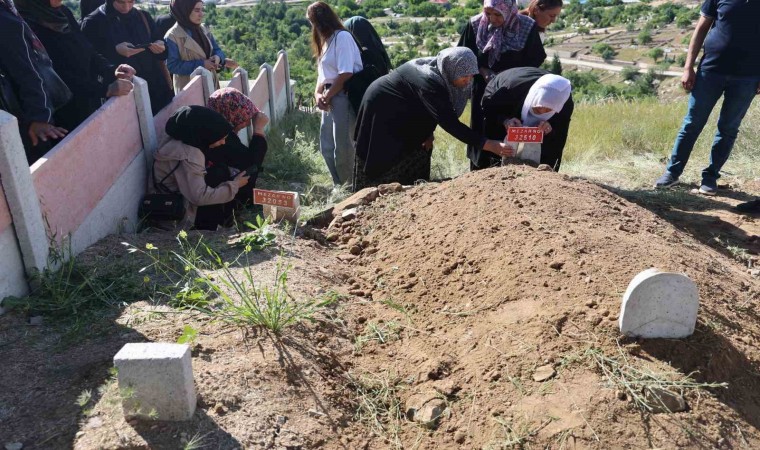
{"type": "Point", "coordinates": [180, 166]}
{"type": "Point", "coordinates": [191, 45]}
{"type": "Point", "coordinates": [126, 35]}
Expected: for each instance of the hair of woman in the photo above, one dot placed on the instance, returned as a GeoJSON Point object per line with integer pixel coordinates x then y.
{"type": "Point", "coordinates": [543, 5]}
{"type": "Point", "coordinates": [324, 22]}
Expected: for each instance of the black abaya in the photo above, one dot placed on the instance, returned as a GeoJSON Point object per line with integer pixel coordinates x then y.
{"type": "Point", "coordinates": [398, 113]}
{"type": "Point", "coordinates": [504, 98]}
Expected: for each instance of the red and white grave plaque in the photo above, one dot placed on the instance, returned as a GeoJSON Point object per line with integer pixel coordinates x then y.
{"type": "Point", "coordinates": [532, 135]}
{"type": "Point", "coordinates": [275, 198]}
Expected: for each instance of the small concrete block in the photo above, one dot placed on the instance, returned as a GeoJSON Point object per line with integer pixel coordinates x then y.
{"type": "Point", "coordinates": [659, 305]}
{"type": "Point", "coordinates": [156, 381]}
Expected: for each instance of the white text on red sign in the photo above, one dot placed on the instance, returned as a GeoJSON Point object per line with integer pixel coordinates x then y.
{"type": "Point", "coordinates": [525, 134]}
{"type": "Point", "coordinates": [274, 198]}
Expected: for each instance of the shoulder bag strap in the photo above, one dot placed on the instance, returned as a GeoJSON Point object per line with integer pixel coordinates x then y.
{"type": "Point", "coordinates": [160, 184]}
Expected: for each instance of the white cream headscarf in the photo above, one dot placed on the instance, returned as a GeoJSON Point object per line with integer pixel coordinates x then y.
{"type": "Point", "coordinates": [551, 91]}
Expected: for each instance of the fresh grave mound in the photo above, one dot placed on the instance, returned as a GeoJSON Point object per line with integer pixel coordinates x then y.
{"type": "Point", "coordinates": [494, 304]}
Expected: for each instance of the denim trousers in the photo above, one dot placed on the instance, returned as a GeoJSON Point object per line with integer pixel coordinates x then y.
{"type": "Point", "coordinates": [335, 139]}
{"type": "Point", "coordinates": [738, 93]}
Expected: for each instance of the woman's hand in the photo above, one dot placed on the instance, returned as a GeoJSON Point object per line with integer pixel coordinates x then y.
{"type": "Point", "coordinates": [545, 127]}
{"type": "Point", "coordinates": [125, 72]}
{"type": "Point", "coordinates": [322, 104]}
{"type": "Point", "coordinates": [119, 88]}
{"type": "Point", "coordinates": [157, 47]}
{"type": "Point", "coordinates": [241, 179]}
{"type": "Point", "coordinates": [230, 64]}
{"type": "Point", "coordinates": [428, 144]}
{"type": "Point", "coordinates": [259, 122]}
{"type": "Point", "coordinates": [42, 131]}
{"type": "Point", "coordinates": [486, 73]}
{"type": "Point", "coordinates": [499, 148]}
{"type": "Point", "coordinates": [127, 50]}
{"type": "Point", "coordinates": [210, 64]}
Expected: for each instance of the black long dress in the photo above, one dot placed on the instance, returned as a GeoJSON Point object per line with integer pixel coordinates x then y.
{"type": "Point", "coordinates": [79, 66]}
{"type": "Point", "coordinates": [398, 113]}
{"type": "Point", "coordinates": [504, 98]}
{"type": "Point", "coordinates": [106, 28]}
{"type": "Point", "coordinates": [531, 55]}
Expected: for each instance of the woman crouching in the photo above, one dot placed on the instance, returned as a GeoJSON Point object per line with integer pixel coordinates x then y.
{"type": "Point", "coordinates": [180, 166]}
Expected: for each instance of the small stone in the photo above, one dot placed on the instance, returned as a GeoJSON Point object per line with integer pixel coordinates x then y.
{"type": "Point", "coordinates": [544, 373]}
{"type": "Point", "coordinates": [754, 272]}
{"type": "Point", "coordinates": [346, 258]}
{"type": "Point", "coordinates": [349, 214]}
{"type": "Point", "coordinates": [557, 265]}
{"type": "Point", "coordinates": [525, 223]}
{"type": "Point", "coordinates": [746, 340]}
{"type": "Point", "coordinates": [14, 446]}
{"type": "Point", "coordinates": [460, 436]}
{"type": "Point", "coordinates": [664, 401]}
{"type": "Point", "coordinates": [590, 303]}
{"type": "Point", "coordinates": [332, 237]}
{"type": "Point", "coordinates": [95, 422]}
{"type": "Point", "coordinates": [430, 413]}
{"type": "Point", "coordinates": [385, 189]}
{"type": "Point", "coordinates": [280, 420]}
{"type": "Point", "coordinates": [587, 280]}
{"type": "Point", "coordinates": [447, 387]}
{"type": "Point", "coordinates": [545, 168]}
{"type": "Point", "coordinates": [35, 321]}
{"type": "Point", "coordinates": [355, 250]}
{"type": "Point", "coordinates": [363, 197]}
{"type": "Point", "coordinates": [315, 413]}
{"type": "Point", "coordinates": [220, 409]}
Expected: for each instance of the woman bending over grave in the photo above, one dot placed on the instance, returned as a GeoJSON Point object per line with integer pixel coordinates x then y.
{"type": "Point", "coordinates": [400, 111]}
{"type": "Point", "coordinates": [180, 166]}
{"type": "Point", "coordinates": [529, 97]}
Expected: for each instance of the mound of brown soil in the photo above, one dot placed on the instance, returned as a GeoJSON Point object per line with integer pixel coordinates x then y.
{"type": "Point", "coordinates": [498, 273]}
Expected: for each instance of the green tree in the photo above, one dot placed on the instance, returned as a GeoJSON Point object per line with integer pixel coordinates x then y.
{"type": "Point", "coordinates": [555, 66]}
{"type": "Point", "coordinates": [656, 53]}
{"type": "Point", "coordinates": [644, 37]}
{"type": "Point", "coordinates": [629, 73]}
{"type": "Point", "coordinates": [604, 50]}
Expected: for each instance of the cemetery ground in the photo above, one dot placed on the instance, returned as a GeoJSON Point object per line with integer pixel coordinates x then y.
{"type": "Point", "coordinates": [479, 312]}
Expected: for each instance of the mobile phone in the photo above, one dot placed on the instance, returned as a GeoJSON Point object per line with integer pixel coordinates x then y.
{"type": "Point", "coordinates": [140, 46]}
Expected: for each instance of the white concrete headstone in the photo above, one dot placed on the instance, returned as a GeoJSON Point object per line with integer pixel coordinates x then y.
{"type": "Point", "coordinates": [659, 305]}
{"type": "Point", "coordinates": [156, 381]}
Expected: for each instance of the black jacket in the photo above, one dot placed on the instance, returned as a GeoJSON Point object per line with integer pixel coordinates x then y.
{"type": "Point", "coordinates": [16, 44]}
{"type": "Point", "coordinates": [85, 72]}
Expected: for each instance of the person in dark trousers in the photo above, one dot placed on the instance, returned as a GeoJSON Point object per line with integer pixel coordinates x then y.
{"type": "Point", "coordinates": [34, 110]}
{"type": "Point", "coordinates": [209, 192]}
{"type": "Point", "coordinates": [502, 39]}
{"type": "Point", "coordinates": [370, 43]}
{"type": "Point", "coordinates": [239, 111]}
{"type": "Point", "coordinates": [400, 111]}
{"type": "Point", "coordinates": [125, 35]}
{"type": "Point", "coordinates": [531, 97]}
{"type": "Point", "coordinates": [75, 61]}
{"type": "Point", "coordinates": [730, 68]}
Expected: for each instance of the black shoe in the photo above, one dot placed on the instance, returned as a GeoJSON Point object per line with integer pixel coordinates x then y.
{"type": "Point", "coordinates": [749, 207]}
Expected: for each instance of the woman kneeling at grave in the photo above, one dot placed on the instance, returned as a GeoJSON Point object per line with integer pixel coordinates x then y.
{"type": "Point", "coordinates": [528, 97]}
{"type": "Point", "coordinates": [400, 111]}
{"type": "Point", "coordinates": [180, 166]}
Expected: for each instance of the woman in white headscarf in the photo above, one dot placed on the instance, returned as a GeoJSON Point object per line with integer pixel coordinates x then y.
{"type": "Point", "coordinates": [400, 111]}
{"type": "Point", "coordinates": [531, 97]}
{"type": "Point", "coordinates": [501, 39]}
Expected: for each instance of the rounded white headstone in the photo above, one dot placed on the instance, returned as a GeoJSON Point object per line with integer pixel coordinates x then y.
{"type": "Point", "coordinates": [659, 305]}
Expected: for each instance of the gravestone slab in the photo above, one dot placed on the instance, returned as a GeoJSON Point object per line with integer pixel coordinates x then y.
{"type": "Point", "coordinates": [156, 381]}
{"type": "Point", "coordinates": [659, 304]}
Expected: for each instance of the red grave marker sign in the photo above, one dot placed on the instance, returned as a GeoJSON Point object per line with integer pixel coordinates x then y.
{"type": "Point", "coordinates": [532, 135]}
{"type": "Point", "coordinates": [274, 198]}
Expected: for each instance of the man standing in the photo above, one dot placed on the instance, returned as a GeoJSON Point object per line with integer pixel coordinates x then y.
{"type": "Point", "coordinates": [730, 67]}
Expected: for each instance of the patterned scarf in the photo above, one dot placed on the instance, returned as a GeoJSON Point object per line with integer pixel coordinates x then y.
{"type": "Point", "coordinates": [450, 64]}
{"type": "Point", "coordinates": [512, 35]}
{"type": "Point", "coordinates": [233, 105]}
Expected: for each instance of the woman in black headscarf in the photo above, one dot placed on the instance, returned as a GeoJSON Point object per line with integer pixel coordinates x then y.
{"type": "Point", "coordinates": [400, 111]}
{"type": "Point", "coordinates": [125, 35]}
{"type": "Point", "coordinates": [74, 60]}
{"type": "Point", "coordinates": [370, 42]}
{"type": "Point", "coordinates": [180, 166]}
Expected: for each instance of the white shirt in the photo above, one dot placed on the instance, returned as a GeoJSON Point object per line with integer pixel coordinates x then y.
{"type": "Point", "coordinates": [341, 56]}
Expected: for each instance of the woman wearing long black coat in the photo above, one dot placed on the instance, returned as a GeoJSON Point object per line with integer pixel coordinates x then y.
{"type": "Point", "coordinates": [502, 39]}
{"type": "Point", "coordinates": [400, 111]}
{"type": "Point", "coordinates": [527, 96]}
{"type": "Point", "coordinates": [114, 29]}
{"type": "Point", "coordinates": [89, 76]}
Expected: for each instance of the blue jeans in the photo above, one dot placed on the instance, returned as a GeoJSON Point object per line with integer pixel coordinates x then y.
{"type": "Point", "coordinates": [738, 94]}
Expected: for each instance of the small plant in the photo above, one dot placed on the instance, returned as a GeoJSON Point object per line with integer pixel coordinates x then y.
{"type": "Point", "coordinates": [260, 237]}
{"type": "Point", "coordinates": [382, 333]}
{"type": "Point", "coordinates": [516, 435]}
{"type": "Point", "coordinates": [379, 405]}
{"type": "Point", "coordinates": [195, 442]}
{"type": "Point", "coordinates": [189, 335]}
{"type": "Point", "coordinates": [84, 398]}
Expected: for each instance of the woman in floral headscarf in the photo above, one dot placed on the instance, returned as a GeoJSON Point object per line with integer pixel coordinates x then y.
{"type": "Point", "coordinates": [502, 39]}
